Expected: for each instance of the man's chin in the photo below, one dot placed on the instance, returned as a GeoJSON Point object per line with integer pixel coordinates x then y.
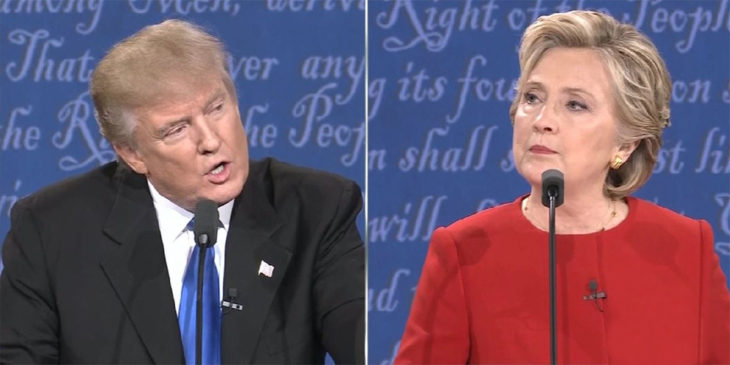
{"type": "Point", "coordinates": [224, 194]}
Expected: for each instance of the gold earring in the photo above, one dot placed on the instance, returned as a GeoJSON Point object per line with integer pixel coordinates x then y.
{"type": "Point", "coordinates": [617, 162]}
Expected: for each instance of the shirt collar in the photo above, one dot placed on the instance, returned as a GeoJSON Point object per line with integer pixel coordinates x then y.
{"type": "Point", "coordinates": [173, 219]}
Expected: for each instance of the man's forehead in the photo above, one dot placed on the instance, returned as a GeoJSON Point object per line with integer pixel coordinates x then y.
{"type": "Point", "coordinates": [181, 93]}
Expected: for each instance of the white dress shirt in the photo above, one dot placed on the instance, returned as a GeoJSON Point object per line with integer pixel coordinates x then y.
{"type": "Point", "coordinates": [179, 242]}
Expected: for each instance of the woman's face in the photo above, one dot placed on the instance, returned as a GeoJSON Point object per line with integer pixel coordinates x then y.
{"type": "Point", "coordinates": [565, 120]}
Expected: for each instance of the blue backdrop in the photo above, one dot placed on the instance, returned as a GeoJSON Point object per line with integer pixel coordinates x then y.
{"type": "Point", "coordinates": [442, 77]}
{"type": "Point", "coordinates": [299, 70]}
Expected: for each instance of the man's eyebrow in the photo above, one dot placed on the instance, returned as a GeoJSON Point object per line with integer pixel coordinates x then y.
{"type": "Point", "coordinates": [169, 125]}
{"type": "Point", "coordinates": [218, 94]}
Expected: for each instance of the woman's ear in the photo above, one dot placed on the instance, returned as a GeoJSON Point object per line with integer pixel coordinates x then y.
{"type": "Point", "coordinates": [626, 149]}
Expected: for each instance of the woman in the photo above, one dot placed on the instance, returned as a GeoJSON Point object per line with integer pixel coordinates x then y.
{"type": "Point", "coordinates": [593, 98]}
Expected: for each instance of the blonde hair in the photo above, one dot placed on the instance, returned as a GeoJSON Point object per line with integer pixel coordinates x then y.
{"type": "Point", "coordinates": [152, 64]}
{"type": "Point", "coordinates": [641, 83]}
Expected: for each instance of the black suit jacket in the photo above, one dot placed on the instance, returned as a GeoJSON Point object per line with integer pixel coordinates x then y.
{"type": "Point", "coordinates": [85, 279]}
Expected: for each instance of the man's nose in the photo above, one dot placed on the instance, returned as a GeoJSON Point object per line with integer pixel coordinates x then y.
{"type": "Point", "coordinates": [208, 139]}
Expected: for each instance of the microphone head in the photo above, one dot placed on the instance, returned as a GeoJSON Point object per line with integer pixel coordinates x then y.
{"type": "Point", "coordinates": [552, 185]}
{"type": "Point", "coordinates": [206, 222]}
{"type": "Point", "coordinates": [592, 285]}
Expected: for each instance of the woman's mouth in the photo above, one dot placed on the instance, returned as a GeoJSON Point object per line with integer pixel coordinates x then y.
{"type": "Point", "coordinates": [540, 149]}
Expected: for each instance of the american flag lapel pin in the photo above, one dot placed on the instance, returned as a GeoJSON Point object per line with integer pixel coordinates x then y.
{"type": "Point", "coordinates": [266, 269]}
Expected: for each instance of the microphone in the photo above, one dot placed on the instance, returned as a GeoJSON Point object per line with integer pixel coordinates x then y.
{"type": "Point", "coordinates": [593, 285]}
{"type": "Point", "coordinates": [230, 301]}
{"type": "Point", "coordinates": [205, 229]}
{"type": "Point", "coordinates": [595, 294]}
{"type": "Point", "coordinates": [552, 186]}
{"type": "Point", "coordinates": [552, 197]}
{"type": "Point", "coordinates": [206, 223]}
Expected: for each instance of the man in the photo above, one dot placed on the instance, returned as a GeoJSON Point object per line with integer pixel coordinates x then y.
{"type": "Point", "coordinates": [95, 266]}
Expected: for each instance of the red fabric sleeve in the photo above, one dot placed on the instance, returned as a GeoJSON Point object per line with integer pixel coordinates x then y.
{"type": "Point", "coordinates": [437, 330]}
{"type": "Point", "coordinates": [714, 305]}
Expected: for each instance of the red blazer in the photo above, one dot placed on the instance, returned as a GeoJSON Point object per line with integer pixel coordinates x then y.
{"type": "Point", "coordinates": [483, 294]}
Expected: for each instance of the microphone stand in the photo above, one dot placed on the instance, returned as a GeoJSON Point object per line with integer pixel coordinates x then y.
{"type": "Point", "coordinates": [199, 302]}
{"type": "Point", "coordinates": [552, 197]}
{"type": "Point", "coordinates": [553, 295]}
{"type": "Point", "coordinates": [206, 233]}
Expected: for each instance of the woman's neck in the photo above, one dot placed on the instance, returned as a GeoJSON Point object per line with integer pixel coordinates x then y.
{"type": "Point", "coordinates": [579, 214]}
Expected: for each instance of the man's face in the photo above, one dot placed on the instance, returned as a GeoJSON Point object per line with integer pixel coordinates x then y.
{"type": "Point", "coordinates": [191, 145]}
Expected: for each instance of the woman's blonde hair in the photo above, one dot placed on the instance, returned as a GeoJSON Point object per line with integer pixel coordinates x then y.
{"type": "Point", "coordinates": [641, 83]}
{"type": "Point", "coordinates": [156, 62]}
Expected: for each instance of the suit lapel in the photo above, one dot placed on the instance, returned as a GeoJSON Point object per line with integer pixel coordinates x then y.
{"type": "Point", "coordinates": [137, 270]}
{"type": "Point", "coordinates": [249, 242]}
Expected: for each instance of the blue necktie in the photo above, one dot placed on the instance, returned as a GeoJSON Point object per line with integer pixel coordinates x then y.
{"type": "Point", "coordinates": [211, 343]}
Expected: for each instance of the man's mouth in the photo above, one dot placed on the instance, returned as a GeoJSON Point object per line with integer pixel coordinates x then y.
{"type": "Point", "coordinates": [220, 173]}
{"type": "Point", "coordinates": [218, 169]}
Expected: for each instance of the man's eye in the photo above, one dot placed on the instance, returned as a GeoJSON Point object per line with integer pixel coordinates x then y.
{"type": "Point", "coordinates": [175, 130]}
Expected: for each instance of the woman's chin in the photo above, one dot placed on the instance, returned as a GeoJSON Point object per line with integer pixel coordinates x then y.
{"type": "Point", "coordinates": [532, 173]}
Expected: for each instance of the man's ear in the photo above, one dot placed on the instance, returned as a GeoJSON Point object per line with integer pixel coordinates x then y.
{"type": "Point", "coordinates": [131, 157]}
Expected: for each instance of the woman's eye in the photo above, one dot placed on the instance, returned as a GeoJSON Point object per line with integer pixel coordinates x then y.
{"type": "Point", "coordinates": [576, 105]}
{"type": "Point", "coordinates": [530, 98]}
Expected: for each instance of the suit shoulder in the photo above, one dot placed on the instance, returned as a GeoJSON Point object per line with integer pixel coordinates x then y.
{"type": "Point", "coordinates": [649, 215]}
{"type": "Point", "coordinates": [493, 216]}
{"type": "Point", "coordinates": [79, 191]}
{"type": "Point", "coordinates": [285, 177]}
{"type": "Point", "coordinates": [493, 220]}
